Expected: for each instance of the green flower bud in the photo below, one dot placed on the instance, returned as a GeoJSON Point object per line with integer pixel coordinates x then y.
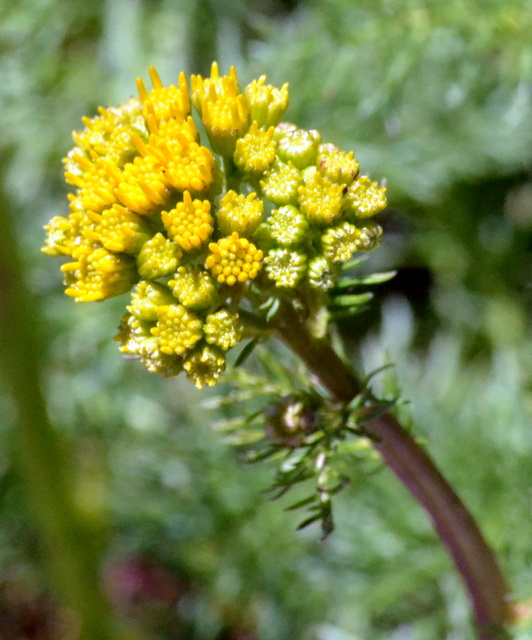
{"type": "Point", "coordinates": [370, 235]}
{"type": "Point", "coordinates": [281, 183]}
{"type": "Point", "coordinates": [267, 104]}
{"type": "Point", "coordinates": [204, 366]}
{"type": "Point", "coordinates": [194, 287]}
{"type": "Point", "coordinates": [239, 213]}
{"type": "Point", "coordinates": [223, 329]}
{"type": "Point", "coordinates": [146, 298]}
{"type": "Point", "coordinates": [321, 200]}
{"type": "Point", "coordinates": [255, 152]}
{"type": "Point", "coordinates": [283, 129]}
{"type": "Point", "coordinates": [300, 147]}
{"type": "Point", "coordinates": [177, 329]}
{"type": "Point", "coordinates": [309, 174]}
{"type": "Point", "coordinates": [285, 267]}
{"type": "Point", "coordinates": [321, 273]}
{"type": "Point", "coordinates": [158, 257]}
{"type": "Point", "coordinates": [287, 225]}
{"type": "Point", "coordinates": [336, 165]}
{"type": "Point", "coordinates": [365, 198]}
{"type": "Point", "coordinates": [339, 243]}
{"type": "Point", "coordinates": [263, 236]}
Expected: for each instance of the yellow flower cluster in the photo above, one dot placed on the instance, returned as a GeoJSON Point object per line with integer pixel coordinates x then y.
{"type": "Point", "coordinates": [190, 224]}
{"type": "Point", "coordinates": [234, 259]}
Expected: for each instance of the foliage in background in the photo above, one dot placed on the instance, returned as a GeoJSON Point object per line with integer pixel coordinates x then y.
{"type": "Point", "coordinates": [437, 98]}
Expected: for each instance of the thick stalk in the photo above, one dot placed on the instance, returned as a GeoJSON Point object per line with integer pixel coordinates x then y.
{"type": "Point", "coordinates": [454, 524]}
{"type": "Point", "coordinates": [68, 537]}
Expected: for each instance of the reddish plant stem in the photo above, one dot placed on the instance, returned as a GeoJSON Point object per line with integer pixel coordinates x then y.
{"type": "Point", "coordinates": [455, 526]}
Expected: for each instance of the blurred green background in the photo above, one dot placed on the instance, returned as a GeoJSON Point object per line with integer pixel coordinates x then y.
{"type": "Point", "coordinates": [110, 475]}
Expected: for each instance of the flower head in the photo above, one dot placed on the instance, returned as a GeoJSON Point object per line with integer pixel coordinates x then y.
{"type": "Point", "coordinates": [189, 228]}
{"type": "Point", "coordinates": [267, 104]}
{"type": "Point", "coordinates": [234, 259]}
{"type": "Point", "coordinates": [240, 213]}
{"type": "Point", "coordinates": [256, 151]}
{"type": "Point", "coordinates": [365, 198]}
{"type": "Point", "coordinates": [190, 223]}
{"type": "Point", "coordinates": [224, 110]}
{"type": "Point", "coordinates": [177, 329]}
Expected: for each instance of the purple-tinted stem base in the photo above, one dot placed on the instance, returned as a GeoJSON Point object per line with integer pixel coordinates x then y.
{"type": "Point", "coordinates": [455, 526]}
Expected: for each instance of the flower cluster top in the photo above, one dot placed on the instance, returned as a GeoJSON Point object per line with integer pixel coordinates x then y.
{"type": "Point", "coordinates": [201, 226]}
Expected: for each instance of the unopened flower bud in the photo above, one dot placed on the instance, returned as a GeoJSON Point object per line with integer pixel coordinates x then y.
{"type": "Point", "coordinates": [340, 242]}
{"type": "Point", "coordinates": [204, 366]}
{"type": "Point", "coordinates": [287, 225]}
{"type": "Point", "coordinates": [321, 200]}
{"type": "Point", "coordinates": [337, 165]}
{"type": "Point", "coordinates": [267, 104]}
{"type": "Point", "coordinates": [239, 213]}
{"type": "Point", "coordinates": [321, 273]}
{"type": "Point", "coordinates": [194, 287]}
{"type": "Point", "coordinates": [290, 421]}
{"type": "Point", "coordinates": [256, 151]}
{"type": "Point", "coordinates": [283, 129]}
{"type": "Point", "coordinates": [285, 267]}
{"type": "Point", "coordinates": [158, 257]}
{"type": "Point", "coordinates": [300, 147]}
{"type": "Point", "coordinates": [281, 184]}
{"type": "Point", "coordinates": [178, 329]}
{"type": "Point", "coordinates": [223, 329]}
{"type": "Point", "coordinates": [370, 235]}
{"type": "Point", "coordinates": [61, 235]}
{"type": "Point", "coordinates": [146, 298]}
{"type": "Point", "coordinates": [136, 339]}
{"type": "Point", "coordinates": [365, 198]}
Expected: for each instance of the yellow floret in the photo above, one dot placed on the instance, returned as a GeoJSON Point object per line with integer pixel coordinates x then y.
{"type": "Point", "coordinates": [99, 274]}
{"type": "Point", "coordinates": [121, 230]}
{"type": "Point", "coordinates": [185, 163]}
{"type": "Point", "coordinates": [61, 236]}
{"type": "Point", "coordinates": [267, 103]}
{"type": "Point", "coordinates": [96, 180]}
{"type": "Point", "coordinates": [204, 366]}
{"type": "Point", "coordinates": [365, 198]}
{"type": "Point", "coordinates": [255, 152]}
{"type": "Point", "coordinates": [337, 165]}
{"type": "Point", "coordinates": [143, 187]}
{"type": "Point", "coordinates": [190, 223]}
{"type": "Point", "coordinates": [158, 257]}
{"type": "Point", "coordinates": [177, 328]}
{"type": "Point", "coordinates": [164, 102]}
{"type": "Point", "coordinates": [223, 328]}
{"type": "Point", "coordinates": [223, 109]}
{"type": "Point", "coordinates": [108, 135]}
{"type": "Point", "coordinates": [234, 259]}
{"type": "Point", "coordinates": [321, 200]}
